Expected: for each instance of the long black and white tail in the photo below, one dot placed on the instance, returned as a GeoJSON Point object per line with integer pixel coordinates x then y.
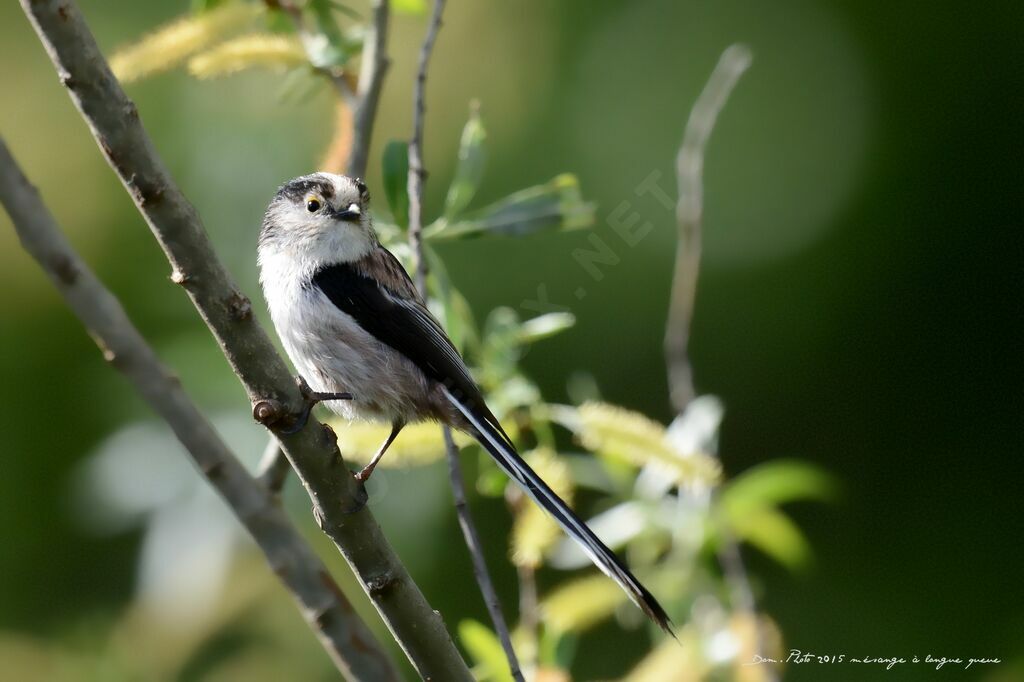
{"type": "Point", "coordinates": [491, 436]}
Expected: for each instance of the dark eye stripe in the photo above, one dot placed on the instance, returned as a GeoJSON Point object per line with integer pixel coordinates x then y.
{"type": "Point", "coordinates": [297, 190]}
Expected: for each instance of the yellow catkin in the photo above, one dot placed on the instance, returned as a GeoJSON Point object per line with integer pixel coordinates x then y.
{"type": "Point", "coordinates": [582, 603]}
{"type": "Point", "coordinates": [620, 432]}
{"type": "Point", "coordinates": [756, 635]}
{"type": "Point", "coordinates": [534, 531]}
{"type": "Point", "coordinates": [417, 445]}
{"type": "Point", "coordinates": [246, 52]}
{"type": "Point", "coordinates": [673, 660]}
{"type": "Point", "coordinates": [172, 44]}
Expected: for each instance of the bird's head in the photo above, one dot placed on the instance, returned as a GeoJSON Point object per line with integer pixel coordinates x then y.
{"type": "Point", "coordinates": [319, 218]}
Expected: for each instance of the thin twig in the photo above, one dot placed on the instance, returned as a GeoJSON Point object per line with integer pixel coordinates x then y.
{"type": "Point", "coordinates": [347, 640]}
{"type": "Point", "coordinates": [689, 215]}
{"type": "Point", "coordinates": [375, 63]}
{"type": "Point", "coordinates": [476, 551]}
{"type": "Point", "coordinates": [529, 604]}
{"type": "Point", "coordinates": [417, 174]}
{"type": "Point", "coordinates": [273, 468]}
{"type": "Point", "coordinates": [313, 453]}
{"type": "Point", "coordinates": [689, 211]}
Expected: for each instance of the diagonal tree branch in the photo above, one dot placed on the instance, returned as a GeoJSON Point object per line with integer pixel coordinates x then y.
{"type": "Point", "coordinates": [273, 467]}
{"type": "Point", "coordinates": [417, 174]}
{"type": "Point", "coordinates": [689, 217]}
{"type": "Point", "coordinates": [313, 453]}
{"type": "Point", "coordinates": [689, 213]}
{"type": "Point", "coordinates": [348, 642]}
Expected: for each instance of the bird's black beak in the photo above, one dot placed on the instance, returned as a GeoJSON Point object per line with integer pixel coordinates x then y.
{"type": "Point", "coordinates": [350, 214]}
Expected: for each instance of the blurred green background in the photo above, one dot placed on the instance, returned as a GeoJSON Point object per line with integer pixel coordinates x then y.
{"type": "Point", "coordinates": [859, 308]}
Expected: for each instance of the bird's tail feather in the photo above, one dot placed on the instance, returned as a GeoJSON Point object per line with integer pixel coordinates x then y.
{"type": "Point", "coordinates": [491, 436]}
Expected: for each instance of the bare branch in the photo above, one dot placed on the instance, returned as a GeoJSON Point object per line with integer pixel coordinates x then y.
{"type": "Point", "coordinates": [375, 63]}
{"type": "Point", "coordinates": [689, 215]}
{"type": "Point", "coordinates": [273, 468]}
{"type": "Point", "coordinates": [472, 538]}
{"type": "Point", "coordinates": [347, 640]}
{"type": "Point", "coordinates": [417, 174]}
{"type": "Point", "coordinates": [689, 211]}
{"type": "Point", "coordinates": [529, 606]}
{"type": "Point", "coordinates": [313, 451]}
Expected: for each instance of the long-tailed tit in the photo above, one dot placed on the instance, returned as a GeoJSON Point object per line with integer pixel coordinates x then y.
{"type": "Point", "coordinates": [351, 320]}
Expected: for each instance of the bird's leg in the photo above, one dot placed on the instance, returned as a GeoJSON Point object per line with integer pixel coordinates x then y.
{"type": "Point", "coordinates": [364, 475]}
{"type": "Point", "coordinates": [311, 398]}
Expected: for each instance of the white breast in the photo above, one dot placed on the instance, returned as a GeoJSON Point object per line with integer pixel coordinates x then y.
{"type": "Point", "coordinates": [333, 353]}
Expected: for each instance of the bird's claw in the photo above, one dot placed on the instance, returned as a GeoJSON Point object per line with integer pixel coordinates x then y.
{"type": "Point", "coordinates": [300, 421]}
{"type": "Point", "coordinates": [360, 498]}
{"type": "Point", "coordinates": [310, 400]}
{"type": "Point", "coordinates": [363, 475]}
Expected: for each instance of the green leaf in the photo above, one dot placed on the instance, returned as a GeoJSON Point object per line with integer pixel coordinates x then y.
{"type": "Point", "coordinates": [544, 326]}
{"type": "Point", "coordinates": [749, 504]}
{"type": "Point", "coordinates": [278, 22]}
{"type": "Point", "coordinates": [344, 9]}
{"type": "Point", "coordinates": [458, 319]}
{"type": "Point", "coordinates": [333, 49]}
{"type": "Point", "coordinates": [558, 649]}
{"type": "Point", "coordinates": [509, 391]}
{"type": "Point", "coordinates": [491, 482]}
{"type": "Point", "coordinates": [456, 314]}
{"type": "Point", "coordinates": [389, 233]}
{"type": "Point", "coordinates": [582, 603]}
{"type": "Point", "coordinates": [199, 6]}
{"type": "Point", "coordinates": [776, 535]}
{"type": "Point", "coordinates": [395, 165]}
{"type": "Point", "coordinates": [590, 472]}
{"type": "Point", "coordinates": [485, 649]}
{"type": "Point", "coordinates": [555, 205]}
{"type": "Point", "coordinates": [500, 347]}
{"type": "Point", "coordinates": [774, 483]}
{"type": "Point", "coordinates": [469, 169]}
{"type": "Point", "coordinates": [411, 7]}
{"type": "Point", "coordinates": [298, 84]}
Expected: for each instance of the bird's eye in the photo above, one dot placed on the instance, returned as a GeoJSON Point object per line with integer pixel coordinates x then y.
{"type": "Point", "coordinates": [313, 204]}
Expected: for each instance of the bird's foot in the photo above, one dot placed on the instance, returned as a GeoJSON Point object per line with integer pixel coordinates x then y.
{"type": "Point", "coordinates": [360, 498]}
{"type": "Point", "coordinates": [363, 475]}
{"type": "Point", "coordinates": [310, 399]}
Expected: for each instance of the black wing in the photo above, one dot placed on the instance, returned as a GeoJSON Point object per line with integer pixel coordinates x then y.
{"type": "Point", "coordinates": [394, 316]}
{"type": "Point", "coordinates": [405, 325]}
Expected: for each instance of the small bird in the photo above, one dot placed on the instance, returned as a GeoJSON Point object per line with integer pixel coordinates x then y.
{"type": "Point", "coordinates": [359, 333]}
